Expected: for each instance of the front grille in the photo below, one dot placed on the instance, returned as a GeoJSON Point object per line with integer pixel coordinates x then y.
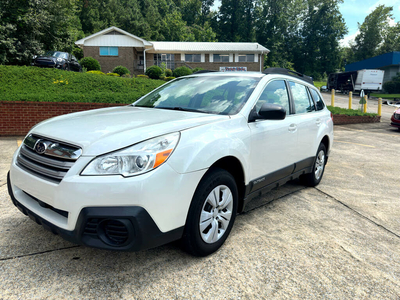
{"type": "Point", "coordinates": [46, 158]}
{"type": "Point", "coordinates": [45, 62]}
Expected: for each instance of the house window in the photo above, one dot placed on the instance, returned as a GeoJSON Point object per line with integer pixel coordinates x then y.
{"type": "Point", "coordinates": [193, 57]}
{"type": "Point", "coordinates": [246, 57]}
{"type": "Point", "coordinates": [221, 57]}
{"type": "Point", "coordinates": [109, 51]}
{"type": "Point", "coordinates": [167, 59]}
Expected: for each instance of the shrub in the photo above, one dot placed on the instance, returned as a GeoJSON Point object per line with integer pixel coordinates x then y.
{"type": "Point", "coordinates": [392, 87]}
{"type": "Point", "coordinates": [154, 72]}
{"type": "Point", "coordinates": [142, 76]}
{"type": "Point", "coordinates": [127, 76]}
{"type": "Point", "coordinates": [168, 72]}
{"type": "Point", "coordinates": [90, 64]}
{"type": "Point", "coordinates": [182, 71]}
{"type": "Point", "coordinates": [113, 74]}
{"type": "Point", "coordinates": [121, 70]}
{"type": "Point", "coordinates": [169, 78]}
{"type": "Point", "coordinates": [197, 69]}
{"type": "Point", "coordinates": [95, 72]}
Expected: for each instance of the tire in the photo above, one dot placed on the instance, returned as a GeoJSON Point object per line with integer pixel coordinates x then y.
{"type": "Point", "coordinates": [209, 222]}
{"type": "Point", "coordinates": [314, 178]}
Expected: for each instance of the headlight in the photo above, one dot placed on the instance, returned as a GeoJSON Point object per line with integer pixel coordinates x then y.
{"type": "Point", "coordinates": [60, 59]}
{"type": "Point", "coordinates": [134, 160]}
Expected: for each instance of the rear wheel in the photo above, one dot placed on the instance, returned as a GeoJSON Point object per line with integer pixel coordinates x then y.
{"type": "Point", "coordinates": [314, 178]}
{"type": "Point", "coordinates": [211, 214]}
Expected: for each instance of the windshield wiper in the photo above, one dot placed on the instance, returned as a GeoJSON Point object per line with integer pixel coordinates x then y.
{"type": "Point", "coordinates": [182, 109]}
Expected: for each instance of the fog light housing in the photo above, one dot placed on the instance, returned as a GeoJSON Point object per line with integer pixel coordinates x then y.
{"type": "Point", "coordinates": [115, 232]}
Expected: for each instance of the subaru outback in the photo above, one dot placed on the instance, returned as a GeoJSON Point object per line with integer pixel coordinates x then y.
{"type": "Point", "coordinates": [177, 164]}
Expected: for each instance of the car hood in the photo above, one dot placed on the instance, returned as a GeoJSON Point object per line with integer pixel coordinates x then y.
{"type": "Point", "coordinates": [104, 130]}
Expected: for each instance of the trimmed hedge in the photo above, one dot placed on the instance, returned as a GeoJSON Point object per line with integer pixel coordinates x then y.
{"type": "Point", "coordinates": [182, 71]}
{"type": "Point", "coordinates": [90, 64]}
{"type": "Point", "coordinates": [168, 72]}
{"type": "Point", "coordinates": [113, 74]}
{"type": "Point", "coordinates": [197, 69]}
{"type": "Point", "coordinates": [121, 70]}
{"type": "Point", "coordinates": [52, 85]}
{"type": "Point", "coordinates": [154, 72]}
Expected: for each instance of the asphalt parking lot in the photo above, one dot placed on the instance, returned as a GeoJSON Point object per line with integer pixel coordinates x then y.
{"type": "Point", "coordinates": [340, 240]}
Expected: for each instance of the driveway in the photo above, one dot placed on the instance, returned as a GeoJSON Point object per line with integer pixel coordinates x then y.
{"type": "Point", "coordinates": [340, 240]}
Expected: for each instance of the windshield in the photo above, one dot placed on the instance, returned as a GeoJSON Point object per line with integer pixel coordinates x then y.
{"type": "Point", "coordinates": [57, 54]}
{"type": "Point", "coordinates": [224, 95]}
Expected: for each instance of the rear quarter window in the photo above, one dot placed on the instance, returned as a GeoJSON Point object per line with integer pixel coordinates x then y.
{"type": "Point", "coordinates": [302, 101]}
{"type": "Point", "coordinates": [318, 100]}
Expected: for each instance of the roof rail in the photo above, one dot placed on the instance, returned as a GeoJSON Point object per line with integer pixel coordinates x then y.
{"type": "Point", "coordinates": [290, 73]}
{"type": "Point", "coordinates": [204, 71]}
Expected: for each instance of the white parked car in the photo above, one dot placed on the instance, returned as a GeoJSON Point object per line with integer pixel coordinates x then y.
{"type": "Point", "coordinates": [179, 163]}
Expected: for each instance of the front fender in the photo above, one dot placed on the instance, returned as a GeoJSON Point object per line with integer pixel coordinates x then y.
{"type": "Point", "coordinates": [202, 146]}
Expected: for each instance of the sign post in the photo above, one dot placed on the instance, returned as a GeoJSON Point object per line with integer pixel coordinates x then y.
{"type": "Point", "coordinates": [362, 100]}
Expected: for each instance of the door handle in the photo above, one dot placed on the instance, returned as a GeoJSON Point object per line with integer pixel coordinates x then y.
{"type": "Point", "coordinates": [292, 127]}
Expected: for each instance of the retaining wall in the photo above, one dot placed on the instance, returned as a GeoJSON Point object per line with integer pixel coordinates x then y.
{"type": "Point", "coordinates": [18, 117]}
{"type": "Point", "coordinates": [343, 119]}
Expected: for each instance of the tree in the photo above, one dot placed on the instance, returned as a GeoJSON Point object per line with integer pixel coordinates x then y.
{"type": "Point", "coordinates": [323, 27]}
{"type": "Point", "coordinates": [372, 32]}
{"type": "Point", "coordinates": [31, 27]}
{"type": "Point", "coordinates": [276, 24]}
{"type": "Point", "coordinates": [206, 11]}
{"type": "Point", "coordinates": [391, 40]}
{"type": "Point", "coordinates": [235, 21]}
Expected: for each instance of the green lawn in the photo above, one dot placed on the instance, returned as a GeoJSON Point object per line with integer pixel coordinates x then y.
{"type": "Point", "coordinates": [318, 84]}
{"type": "Point", "coordinates": [386, 96]}
{"type": "Point", "coordinates": [50, 85]}
{"type": "Point", "coordinates": [349, 112]}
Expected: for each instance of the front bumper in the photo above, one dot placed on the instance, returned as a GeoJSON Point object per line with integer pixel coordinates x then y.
{"type": "Point", "coordinates": [151, 207]}
{"type": "Point", "coordinates": [135, 229]}
{"type": "Point", "coordinates": [395, 122]}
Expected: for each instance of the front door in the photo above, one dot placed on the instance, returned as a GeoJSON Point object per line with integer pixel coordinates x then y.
{"type": "Point", "coordinates": [273, 142]}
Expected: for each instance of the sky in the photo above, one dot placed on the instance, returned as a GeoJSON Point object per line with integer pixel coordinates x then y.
{"type": "Point", "coordinates": [354, 11]}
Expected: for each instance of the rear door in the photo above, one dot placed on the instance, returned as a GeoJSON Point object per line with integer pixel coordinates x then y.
{"type": "Point", "coordinates": [273, 142]}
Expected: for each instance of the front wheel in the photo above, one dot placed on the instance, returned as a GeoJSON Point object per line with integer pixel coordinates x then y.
{"type": "Point", "coordinates": [313, 179]}
{"type": "Point", "coordinates": [211, 214]}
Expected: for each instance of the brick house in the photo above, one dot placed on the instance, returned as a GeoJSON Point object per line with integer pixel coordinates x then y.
{"type": "Point", "coordinates": [113, 47]}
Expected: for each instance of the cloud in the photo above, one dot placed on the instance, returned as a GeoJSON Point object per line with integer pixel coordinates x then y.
{"type": "Point", "coordinates": [392, 22]}
{"type": "Point", "coordinates": [350, 38]}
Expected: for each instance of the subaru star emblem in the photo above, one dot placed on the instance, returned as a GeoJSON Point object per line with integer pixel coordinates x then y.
{"type": "Point", "coordinates": [40, 147]}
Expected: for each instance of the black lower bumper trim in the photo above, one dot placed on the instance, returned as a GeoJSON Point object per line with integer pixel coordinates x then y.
{"type": "Point", "coordinates": [143, 231]}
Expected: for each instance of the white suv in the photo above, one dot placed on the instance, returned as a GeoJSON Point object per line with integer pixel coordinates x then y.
{"type": "Point", "coordinates": [179, 163]}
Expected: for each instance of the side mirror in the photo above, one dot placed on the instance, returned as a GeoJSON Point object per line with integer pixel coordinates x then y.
{"type": "Point", "coordinates": [34, 56]}
{"type": "Point", "coordinates": [268, 111]}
